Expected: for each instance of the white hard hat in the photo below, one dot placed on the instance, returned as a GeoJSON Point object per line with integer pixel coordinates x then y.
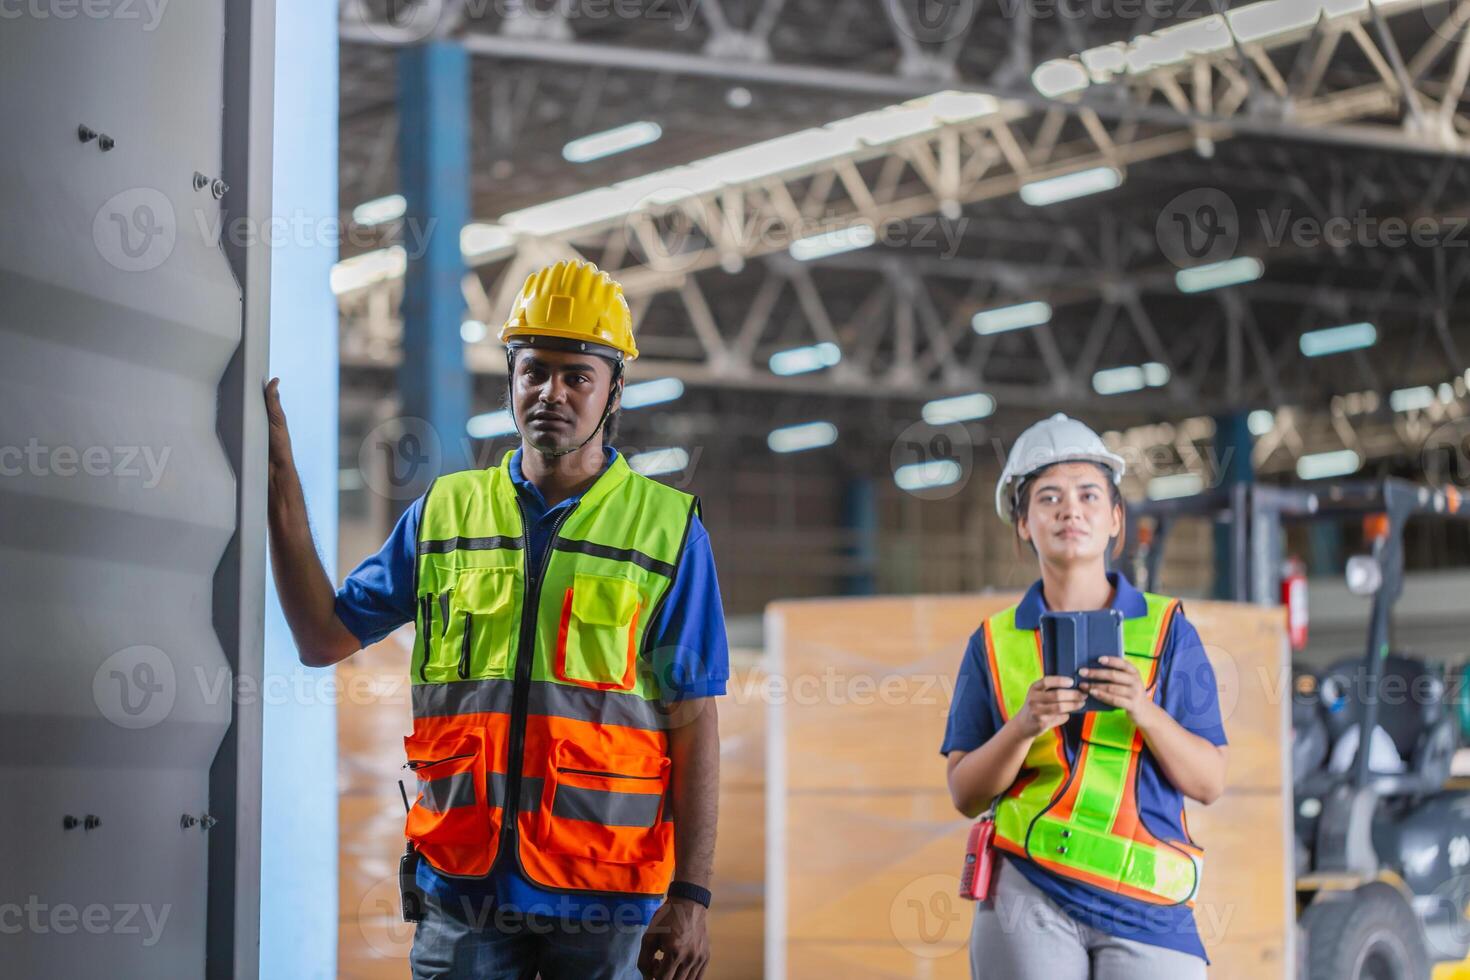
{"type": "Point", "coordinates": [1058, 439]}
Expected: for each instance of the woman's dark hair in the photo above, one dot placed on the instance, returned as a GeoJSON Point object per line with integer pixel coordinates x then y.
{"type": "Point", "coordinates": [1021, 504]}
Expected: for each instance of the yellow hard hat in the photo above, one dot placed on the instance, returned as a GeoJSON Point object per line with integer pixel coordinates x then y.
{"type": "Point", "coordinates": [575, 301]}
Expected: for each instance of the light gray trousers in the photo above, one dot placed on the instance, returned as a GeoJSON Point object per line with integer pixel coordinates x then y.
{"type": "Point", "coordinates": [1022, 935]}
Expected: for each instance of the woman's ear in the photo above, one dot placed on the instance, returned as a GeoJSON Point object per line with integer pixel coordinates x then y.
{"type": "Point", "coordinates": [1120, 526]}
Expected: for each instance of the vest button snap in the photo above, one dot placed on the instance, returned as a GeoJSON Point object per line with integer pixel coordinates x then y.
{"type": "Point", "coordinates": [1061, 849]}
{"type": "Point", "coordinates": [1066, 833]}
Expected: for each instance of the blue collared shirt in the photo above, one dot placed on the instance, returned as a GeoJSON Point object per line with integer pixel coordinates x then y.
{"type": "Point", "coordinates": [1186, 690]}
{"type": "Point", "coordinates": [691, 659]}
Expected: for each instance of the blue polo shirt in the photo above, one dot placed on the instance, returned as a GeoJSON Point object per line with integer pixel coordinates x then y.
{"type": "Point", "coordinates": [691, 659]}
{"type": "Point", "coordinates": [1186, 690]}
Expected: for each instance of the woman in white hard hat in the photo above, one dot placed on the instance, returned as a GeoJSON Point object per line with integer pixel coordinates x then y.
{"type": "Point", "coordinates": [1098, 874]}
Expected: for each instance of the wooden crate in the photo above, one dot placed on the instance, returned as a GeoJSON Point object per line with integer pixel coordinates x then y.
{"type": "Point", "coordinates": [864, 844]}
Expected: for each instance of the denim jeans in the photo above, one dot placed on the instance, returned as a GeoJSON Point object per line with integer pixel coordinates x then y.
{"type": "Point", "coordinates": [460, 939]}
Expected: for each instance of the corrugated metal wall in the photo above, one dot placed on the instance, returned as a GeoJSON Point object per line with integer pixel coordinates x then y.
{"type": "Point", "coordinates": [120, 317]}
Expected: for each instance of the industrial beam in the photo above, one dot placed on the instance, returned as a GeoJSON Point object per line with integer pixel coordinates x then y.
{"type": "Point", "coordinates": [434, 87]}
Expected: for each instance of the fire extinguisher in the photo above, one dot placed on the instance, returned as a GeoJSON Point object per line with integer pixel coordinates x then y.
{"type": "Point", "coordinates": [1294, 599]}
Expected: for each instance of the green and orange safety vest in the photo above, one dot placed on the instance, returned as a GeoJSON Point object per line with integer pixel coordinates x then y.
{"type": "Point", "coordinates": [535, 717]}
{"type": "Point", "coordinates": [1082, 821]}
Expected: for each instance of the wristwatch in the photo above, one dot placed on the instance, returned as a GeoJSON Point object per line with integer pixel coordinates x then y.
{"type": "Point", "coordinates": [689, 890]}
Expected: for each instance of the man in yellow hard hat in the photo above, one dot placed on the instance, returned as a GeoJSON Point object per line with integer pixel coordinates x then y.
{"type": "Point", "coordinates": [569, 645]}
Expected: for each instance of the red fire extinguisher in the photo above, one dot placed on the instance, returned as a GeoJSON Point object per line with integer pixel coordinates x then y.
{"type": "Point", "coordinates": [1294, 599]}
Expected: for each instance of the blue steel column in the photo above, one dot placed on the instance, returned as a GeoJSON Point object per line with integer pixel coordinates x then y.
{"type": "Point", "coordinates": [860, 517]}
{"type": "Point", "coordinates": [298, 798]}
{"type": "Point", "coordinates": [1233, 444]}
{"type": "Point", "coordinates": [434, 178]}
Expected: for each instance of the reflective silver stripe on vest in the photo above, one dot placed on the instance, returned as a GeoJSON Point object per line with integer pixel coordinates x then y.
{"type": "Point", "coordinates": [547, 698]}
{"type": "Point", "coordinates": [443, 546]}
{"type": "Point", "coordinates": [608, 809]}
{"type": "Point", "coordinates": [462, 698]}
{"type": "Point", "coordinates": [531, 787]}
{"type": "Point", "coordinates": [598, 707]}
{"type": "Point", "coordinates": [439, 795]}
{"type": "Point", "coordinates": [630, 555]}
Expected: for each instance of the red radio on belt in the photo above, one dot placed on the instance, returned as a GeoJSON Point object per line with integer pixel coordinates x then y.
{"type": "Point", "coordinates": [977, 877]}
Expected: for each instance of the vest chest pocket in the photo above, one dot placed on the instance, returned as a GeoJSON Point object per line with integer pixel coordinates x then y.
{"type": "Point", "coordinates": [480, 629]}
{"type": "Point", "coordinates": [597, 642]}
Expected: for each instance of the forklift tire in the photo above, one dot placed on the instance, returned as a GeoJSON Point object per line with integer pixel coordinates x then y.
{"type": "Point", "coordinates": [1370, 934]}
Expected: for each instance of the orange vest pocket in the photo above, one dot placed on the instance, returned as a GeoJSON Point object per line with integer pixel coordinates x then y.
{"type": "Point", "coordinates": [605, 807]}
{"type": "Point", "coordinates": [451, 821]}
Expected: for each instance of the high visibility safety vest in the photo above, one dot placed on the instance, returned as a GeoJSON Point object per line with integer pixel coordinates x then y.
{"type": "Point", "coordinates": [1082, 822]}
{"type": "Point", "coordinates": [535, 725]}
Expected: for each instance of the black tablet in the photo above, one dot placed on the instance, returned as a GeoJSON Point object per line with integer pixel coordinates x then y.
{"type": "Point", "coordinates": [1071, 641]}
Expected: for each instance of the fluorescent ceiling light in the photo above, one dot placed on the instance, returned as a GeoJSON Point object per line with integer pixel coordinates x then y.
{"type": "Point", "coordinates": [1411, 399]}
{"type": "Point", "coordinates": [479, 238]}
{"type": "Point", "coordinates": [800, 360]}
{"type": "Point", "coordinates": [379, 210]}
{"type": "Point", "coordinates": [793, 152]}
{"type": "Point", "coordinates": [1336, 340]}
{"type": "Point", "coordinates": [1231, 272]}
{"type": "Point", "coordinates": [808, 435]}
{"type": "Point", "coordinates": [652, 392]}
{"type": "Point", "coordinates": [1174, 485]}
{"type": "Point", "coordinates": [1118, 380]}
{"type": "Point", "coordinates": [1058, 77]}
{"type": "Point", "coordinates": [835, 242]}
{"type": "Point", "coordinates": [1261, 421]}
{"type": "Point", "coordinates": [1319, 465]}
{"type": "Point", "coordinates": [925, 476]}
{"type": "Point", "coordinates": [1067, 186]}
{"type": "Point", "coordinates": [472, 331]}
{"type": "Point", "coordinates": [490, 424]}
{"type": "Point", "coordinates": [608, 142]}
{"type": "Point", "coordinates": [961, 408]}
{"type": "Point", "coordinates": [1267, 22]}
{"type": "Point", "coordinates": [368, 268]}
{"type": "Point", "coordinates": [659, 461]}
{"type": "Point", "coordinates": [1015, 317]}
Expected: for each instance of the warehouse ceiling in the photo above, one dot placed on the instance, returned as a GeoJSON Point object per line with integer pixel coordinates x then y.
{"type": "Point", "coordinates": [1294, 146]}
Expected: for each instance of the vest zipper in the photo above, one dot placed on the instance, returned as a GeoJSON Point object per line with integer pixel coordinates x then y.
{"type": "Point", "coordinates": [594, 772]}
{"type": "Point", "coordinates": [521, 692]}
{"type": "Point", "coordinates": [464, 648]}
{"type": "Point", "coordinates": [422, 763]}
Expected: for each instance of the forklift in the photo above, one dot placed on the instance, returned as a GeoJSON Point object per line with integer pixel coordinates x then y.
{"type": "Point", "coordinates": [1382, 869]}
